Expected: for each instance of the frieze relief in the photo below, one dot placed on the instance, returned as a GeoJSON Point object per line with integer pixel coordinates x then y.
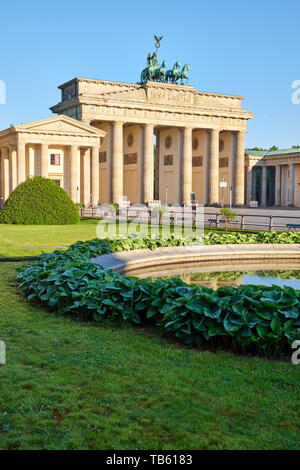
{"type": "Point", "coordinates": [167, 96]}
{"type": "Point", "coordinates": [222, 102]}
{"type": "Point", "coordinates": [106, 111]}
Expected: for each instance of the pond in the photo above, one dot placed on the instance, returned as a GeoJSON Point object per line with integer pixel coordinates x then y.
{"type": "Point", "coordinates": [236, 278]}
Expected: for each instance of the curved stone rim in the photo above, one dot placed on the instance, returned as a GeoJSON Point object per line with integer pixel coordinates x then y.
{"type": "Point", "coordinates": [135, 261]}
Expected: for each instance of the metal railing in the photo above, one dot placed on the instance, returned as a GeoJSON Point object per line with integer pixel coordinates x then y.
{"type": "Point", "coordinates": [211, 219]}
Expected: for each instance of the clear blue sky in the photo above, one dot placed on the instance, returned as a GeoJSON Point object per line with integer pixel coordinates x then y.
{"type": "Point", "coordinates": [236, 47]}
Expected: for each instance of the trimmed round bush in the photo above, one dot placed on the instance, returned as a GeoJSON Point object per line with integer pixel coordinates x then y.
{"type": "Point", "coordinates": [39, 201]}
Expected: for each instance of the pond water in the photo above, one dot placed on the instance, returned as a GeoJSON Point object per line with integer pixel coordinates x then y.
{"type": "Point", "coordinates": [236, 278]}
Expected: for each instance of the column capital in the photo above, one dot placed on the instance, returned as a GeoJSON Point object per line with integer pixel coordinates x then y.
{"type": "Point", "coordinates": [215, 130]}
{"type": "Point", "coordinates": [95, 149]}
{"type": "Point", "coordinates": [4, 150]}
{"type": "Point", "coordinates": [120, 123]}
{"type": "Point", "coordinates": [148, 124]}
{"type": "Point", "coordinates": [188, 129]}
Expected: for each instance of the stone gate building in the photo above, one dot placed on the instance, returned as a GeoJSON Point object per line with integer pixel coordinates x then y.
{"type": "Point", "coordinates": [100, 146]}
{"type": "Point", "coordinates": [199, 139]}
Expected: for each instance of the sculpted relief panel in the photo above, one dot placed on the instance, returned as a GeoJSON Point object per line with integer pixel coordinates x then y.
{"type": "Point", "coordinates": [223, 102]}
{"type": "Point", "coordinates": [112, 112]}
{"type": "Point", "coordinates": [159, 95]}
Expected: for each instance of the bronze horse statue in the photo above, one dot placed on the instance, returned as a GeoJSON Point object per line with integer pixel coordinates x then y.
{"type": "Point", "coordinates": [174, 74]}
{"type": "Point", "coordinates": [160, 72]}
{"type": "Point", "coordinates": [149, 71]}
{"type": "Point", "coordinates": [184, 73]}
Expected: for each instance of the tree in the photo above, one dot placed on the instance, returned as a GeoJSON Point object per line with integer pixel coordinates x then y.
{"type": "Point", "coordinates": [39, 201]}
{"type": "Point", "coordinates": [273, 149]}
{"type": "Point", "coordinates": [228, 215]}
{"type": "Point", "coordinates": [160, 210]}
{"type": "Point", "coordinates": [258, 149]}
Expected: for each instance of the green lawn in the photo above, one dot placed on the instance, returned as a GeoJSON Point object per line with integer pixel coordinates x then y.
{"type": "Point", "coordinates": [14, 238]}
{"type": "Point", "coordinates": [70, 385]}
{"type": "Point", "coordinates": [23, 241]}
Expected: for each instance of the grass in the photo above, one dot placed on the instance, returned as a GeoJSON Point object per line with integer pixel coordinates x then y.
{"type": "Point", "coordinates": [14, 238]}
{"type": "Point", "coordinates": [25, 241]}
{"type": "Point", "coordinates": [71, 385]}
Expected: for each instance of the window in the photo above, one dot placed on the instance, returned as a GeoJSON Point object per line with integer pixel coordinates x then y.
{"type": "Point", "coordinates": [130, 158]}
{"type": "Point", "coordinates": [223, 162]}
{"type": "Point", "coordinates": [55, 159]}
{"type": "Point", "coordinates": [168, 142]}
{"type": "Point", "coordinates": [130, 140]}
{"type": "Point", "coordinates": [168, 160]}
{"type": "Point", "coordinates": [57, 182]}
{"type": "Point", "coordinates": [197, 161]}
{"type": "Point", "coordinates": [102, 157]}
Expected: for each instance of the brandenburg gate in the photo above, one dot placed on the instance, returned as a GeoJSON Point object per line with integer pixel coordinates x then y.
{"type": "Point", "coordinates": [199, 140]}
{"type": "Point", "coordinates": [100, 146]}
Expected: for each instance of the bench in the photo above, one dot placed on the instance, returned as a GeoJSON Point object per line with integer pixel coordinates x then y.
{"type": "Point", "coordinates": [214, 221]}
{"type": "Point", "coordinates": [293, 226]}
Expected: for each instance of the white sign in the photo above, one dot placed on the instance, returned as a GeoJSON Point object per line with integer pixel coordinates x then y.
{"type": "Point", "coordinates": [253, 204]}
{"type": "Point", "coordinates": [223, 184]}
{"type": "Point", "coordinates": [154, 203]}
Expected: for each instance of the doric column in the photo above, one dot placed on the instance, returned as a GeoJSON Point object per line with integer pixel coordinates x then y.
{"type": "Point", "coordinates": [2, 177]}
{"type": "Point", "coordinates": [156, 181]}
{"type": "Point", "coordinates": [239, 181]}
{"type": "Point", "coordinates": [85, 177]}
{"type": "Point", "coordinates": [292, 185]}
{"type": "Point", "coordinates": [264, 186]}
{"type": "Point", "coordinates": [214, 167]}
{"type": "Point", "coordinates": [117, 162]}
{"type": "Point", "coordinates": [13, 178]}
{"type": "Point", "coordinates": [95, 176]}
{"type": "Point", "coordinates": [74, 173]}
{"type": "Point", "coordinates": [278, 185]}
{"type": "Point", "coordinates": [148, 167]}
{"type": "Point", "coordinates": [249, 185]}
{"type": "Point", "coordinates": [44, 160]}
{"type": "Point", "coordinates": [4, 174]}
{"type": "Point", "coordinates": [21, 162]}
{"type": "Point", "coordinates": [186, 187]}
{"type": "Point", "coordinates": [206, 167]}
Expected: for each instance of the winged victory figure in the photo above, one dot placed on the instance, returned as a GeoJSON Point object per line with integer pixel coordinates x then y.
{"type": "Point", "coordinates": [157, 39]}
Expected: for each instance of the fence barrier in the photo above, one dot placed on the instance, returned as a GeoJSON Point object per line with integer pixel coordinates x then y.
{"type": "Point", "coordinates": [177, 216]}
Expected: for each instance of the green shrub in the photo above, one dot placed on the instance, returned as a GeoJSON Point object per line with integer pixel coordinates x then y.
{"type": "Point", "coordinates": [228, 215]}
{"type": "Point", "coordinates": [39, 201]}
{"type": "Point", "coordinates": [217, 238]}
{"type": "Point", "coordinates": [254, 318]}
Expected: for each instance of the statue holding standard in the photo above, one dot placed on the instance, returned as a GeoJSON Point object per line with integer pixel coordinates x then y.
{"type": "Point", "coordinates": [156, 72]}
